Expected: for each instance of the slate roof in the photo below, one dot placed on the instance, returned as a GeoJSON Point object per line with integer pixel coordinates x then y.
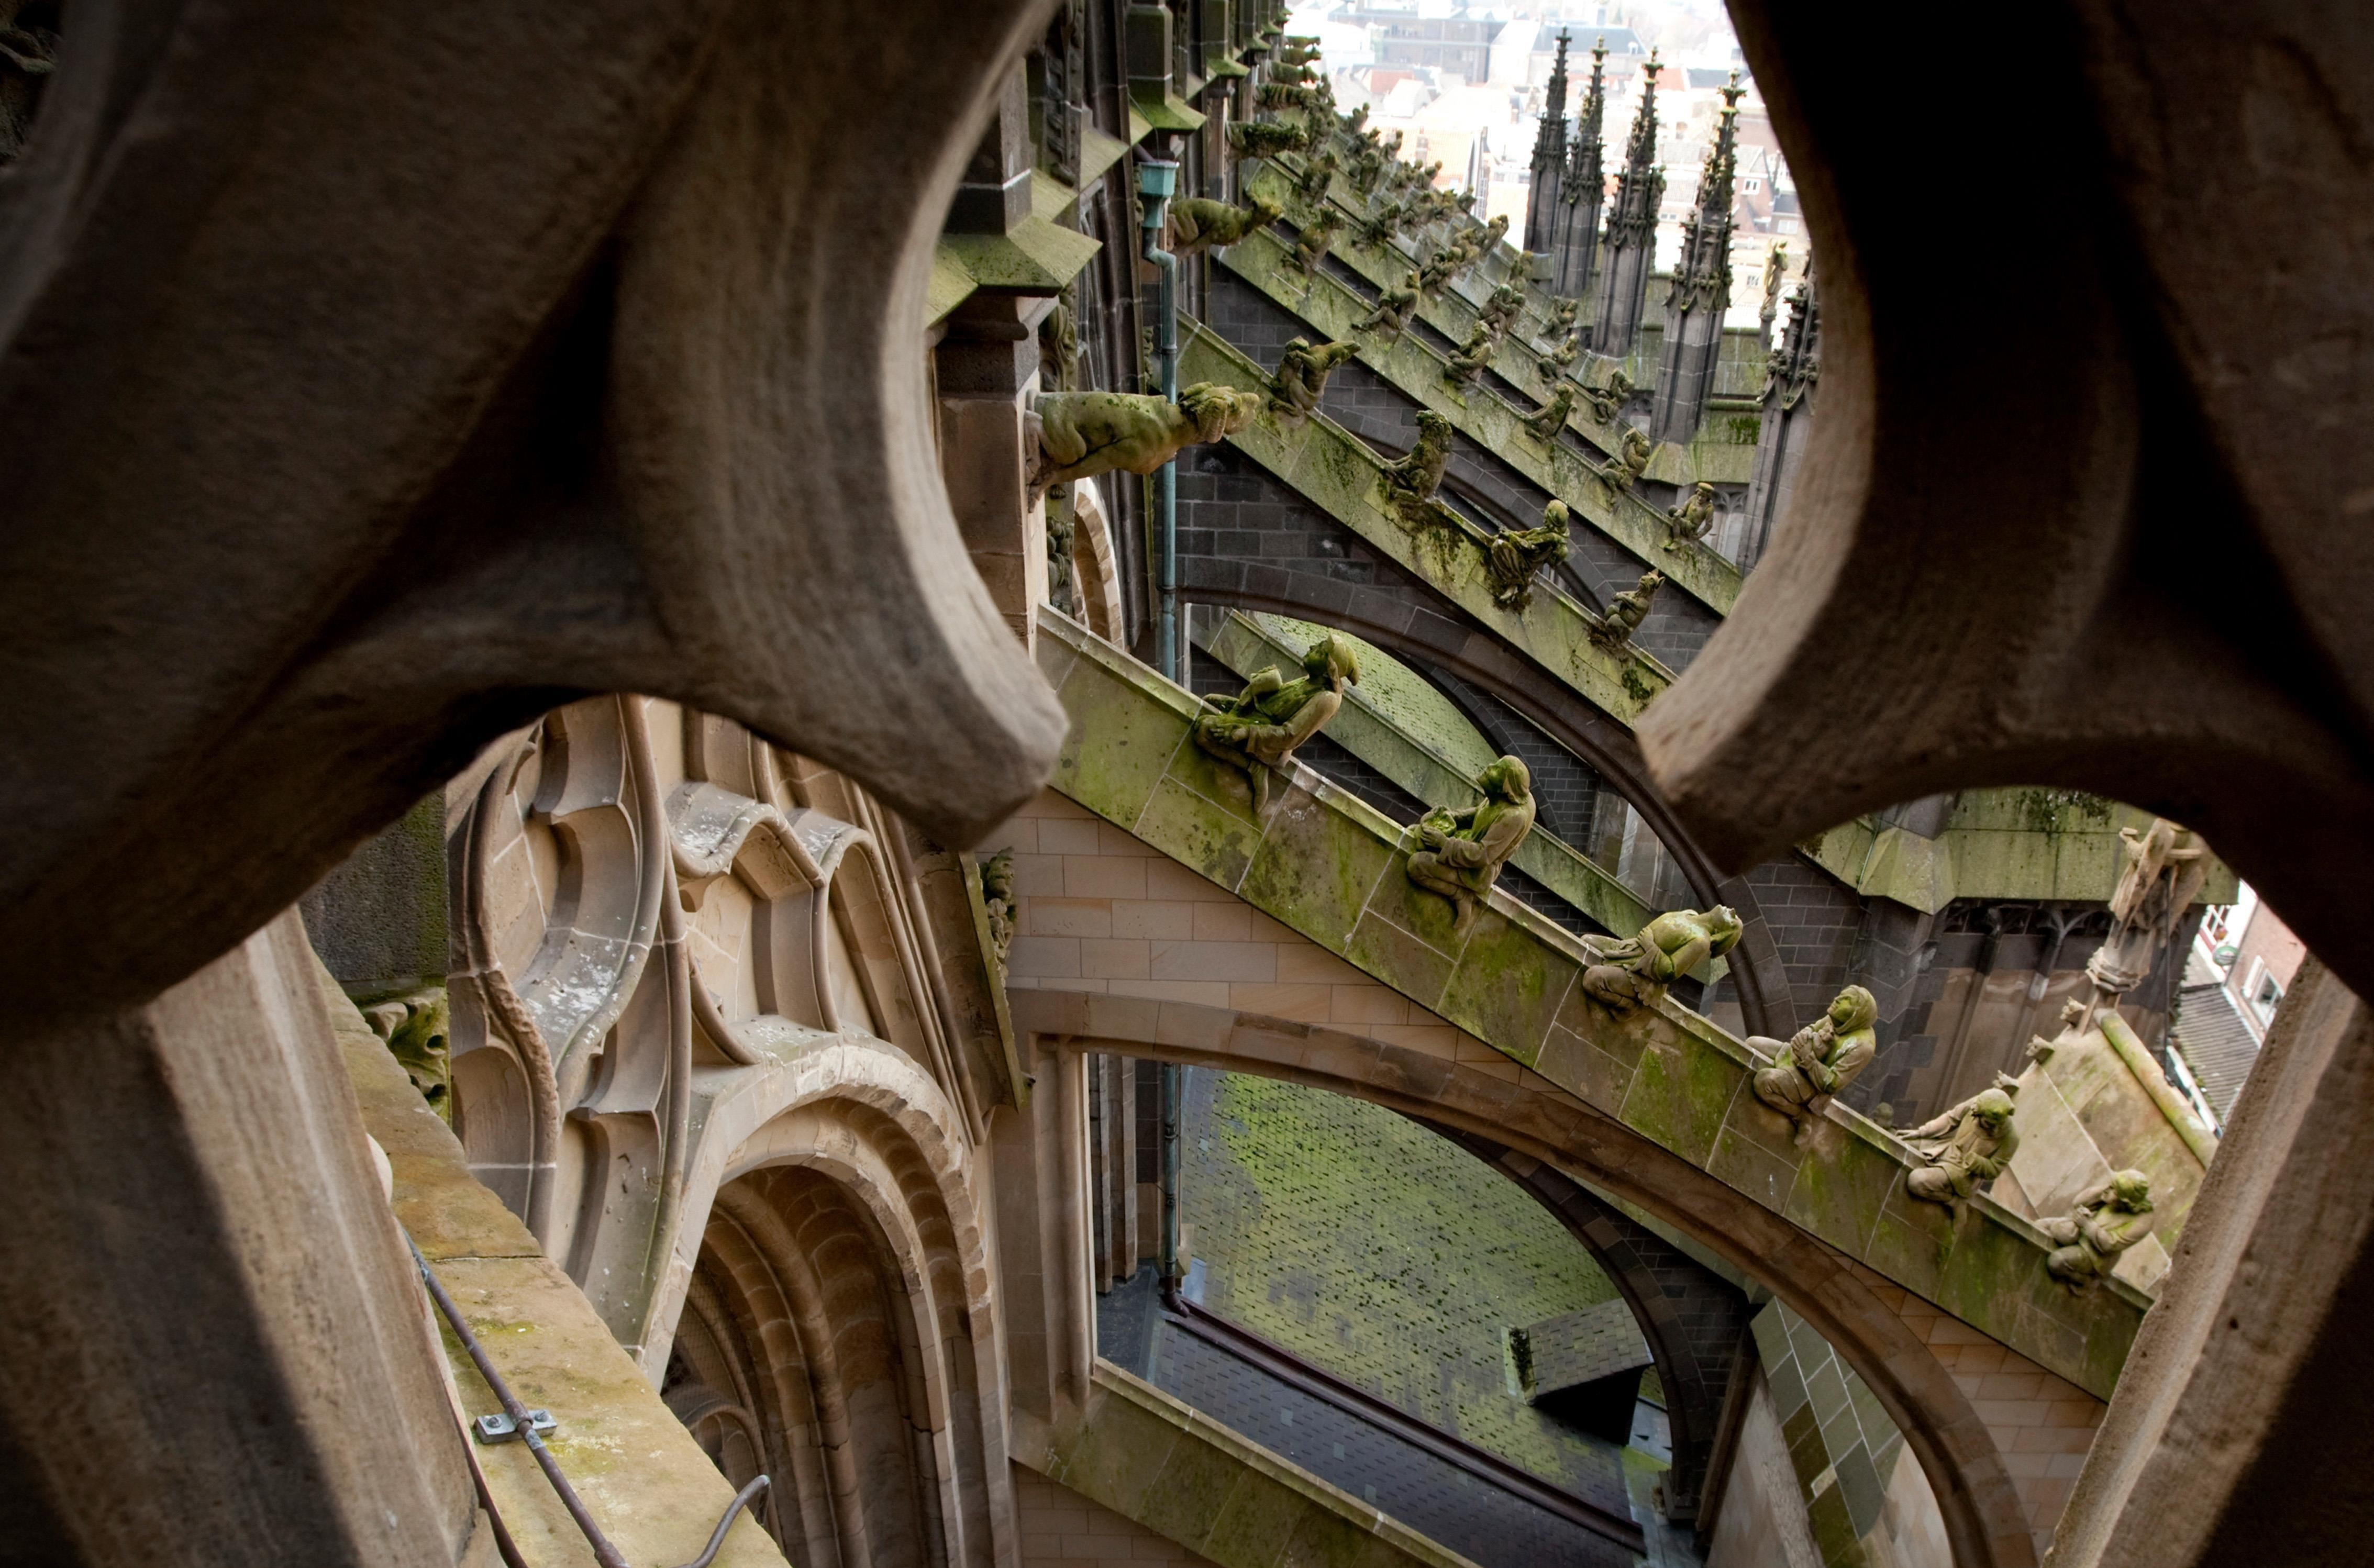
{"type": "Point", "coordinates": [1583, 1347]}
{"type": "Point", "coordinates": [2216, 1045]}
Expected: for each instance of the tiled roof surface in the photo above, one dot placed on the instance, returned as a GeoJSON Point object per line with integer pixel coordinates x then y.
{"type": "Point", "coordinates": [2216, 1045]}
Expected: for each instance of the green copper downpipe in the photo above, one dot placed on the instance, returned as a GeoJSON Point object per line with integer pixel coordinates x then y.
{"type": "Point", "coordinates": [1157, 182]}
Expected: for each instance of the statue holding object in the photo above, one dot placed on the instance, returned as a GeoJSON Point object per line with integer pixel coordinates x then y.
{"type": "Point", "coordinates": [1465, 849]}
{"type": "Point", "coordinates": [1969, 1145]}
{"type": "Point", "coordinates": [2092, 1237]}
{"type": "Point", "coordinates": [1261, 727]}
{"type": "Point", "coordinates": [1818, 1061]}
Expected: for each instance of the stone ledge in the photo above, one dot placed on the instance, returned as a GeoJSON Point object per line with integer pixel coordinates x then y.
{"type": "Point", "coordinates": [640, 1473]}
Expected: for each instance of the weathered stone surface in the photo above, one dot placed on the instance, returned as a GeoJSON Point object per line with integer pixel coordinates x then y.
{"type": "Point", "coordinates": [1328, 866]}
{"type": "Point", "coordinates": [406, 409]}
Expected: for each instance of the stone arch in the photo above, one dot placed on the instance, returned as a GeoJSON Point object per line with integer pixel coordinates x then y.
{"type": "Point", "coordinates": [842, 1177]}
{"type": "Point", "coordinates": [1984, 1519]}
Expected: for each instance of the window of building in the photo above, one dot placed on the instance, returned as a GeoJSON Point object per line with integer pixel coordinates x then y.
{"type": "Point", "coordinates": [2263, 999]}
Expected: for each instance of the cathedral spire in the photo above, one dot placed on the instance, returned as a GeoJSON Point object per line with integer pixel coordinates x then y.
{"type": "Point", "coordinates": [1574, 240]}
{"type": "Point", "coordinates": [1549, 157]}
{"type": "Point", "coordinates": [1701, 290]}
{"type": "Point", "coordinates": [1632, 227]}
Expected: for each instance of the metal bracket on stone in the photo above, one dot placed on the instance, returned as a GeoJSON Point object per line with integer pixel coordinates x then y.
{"type": "Point", "coordinates": [501, 1427]}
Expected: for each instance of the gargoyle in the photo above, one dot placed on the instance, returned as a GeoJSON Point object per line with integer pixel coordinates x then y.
{"type": "Point", "coordinates": [1607, 400]}
{"type": "Point", "coordinates": [1688, 523]}
{"type": "Point", "coordinates": [1301, 376]}
{"type": "Point", "coordinates": [1474, 355]}
{"type": "Point", "coordinates": [1626, 611]}
{"type": "Point", "coordinates": [1087, 433]}
{"type": "Point", "coordinates": [2092, 1237]}
{"type": "Point", "coordinates": [1817, 1063]}
{"type": "Point", "coordinates": [1260, 727]}
{"type": "Point", "coordinates": [1498, 313]}
{"type": "Point", "coordinates": [1623, 470]}
{"type": "Point", "coordinates": [1465, 849]}
{"type": "Point", "coordinates": [1545, 422]}
{"type": "Point", "coordinates": [1971, 1143]}
{"type": "Point", "coordinates": [1634, 972]}
{"type": "Point", "coordinates": [1395, 306]}
{"type": "Point", "coordinates": [1515, 554]}
{"type": "Point", "coordinates": [1313, 242]}
{"type": "Point", "coordinates": [1198, 223]}
{"type": "Point", "coordinates": [1263, 138]}
{"type": "Point", "coordinates": [1414, 479]}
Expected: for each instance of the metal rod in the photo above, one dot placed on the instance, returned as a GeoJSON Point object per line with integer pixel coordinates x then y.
{"type": "Point", "coordinates": [604, 1553]}
{"type": "Point", "coordinates": [717, 1536]}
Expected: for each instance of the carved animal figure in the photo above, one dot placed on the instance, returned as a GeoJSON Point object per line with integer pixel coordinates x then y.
{"type": "Point", "coordinates": [1472, 357]}
{"type": "Point", "coordinates": [1500, 312]}
{"type": "Point", "coordinates": [1971, 1143]}
{"type": "Point", "coordinates": [1313, 242]}
{"type": "Point", "coordinates": [1263, 138]}
{"type": "Point", "coordinates": [1688, 523]}
{"type": "Point", "coordinates": [1085, 433]}
{"type": "Point", "coordinates": [1416, 477]}
{"type": "Point", "coordinates": [1626, 611]}
{"type": "Point", "coordinates": [1515, 554]}
{"type": "Point", "coordinates": [1198, 223]}
{"type": "Point", "coordinates": [1395, 306]}
{"type": "Point", "coordinates": [1261, 726]}
{"type": "Point", "coordinates": [1635, 971]}
{"type": "Point", "coordinates": [1289, 95]}
{"type": "Point", "coordinates": [1605, 401]}
{"type": "Point", "coordinates": [1301, 376]}
{"type": "Point", "coordinates": [2092, 1237]}
{"type": "Point", "coordinates": [1545, 422]}
{"type": "Point", "coordinates": [1630, 461]}
{"type": "Point", "coordinates": [1820, 1061]}
{"type": "Point", "coordinates": [1465, 849]}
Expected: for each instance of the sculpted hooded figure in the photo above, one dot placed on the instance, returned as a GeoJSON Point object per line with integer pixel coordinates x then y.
{"type": "Point", "coordinates": [1465, 849]}
{"type": "Point", "coordinates": [1820, 1059]}
{"type": "Point", "coordinates": [1260, 727]}
{"type": "Point", "coordinates": [1635, 971]}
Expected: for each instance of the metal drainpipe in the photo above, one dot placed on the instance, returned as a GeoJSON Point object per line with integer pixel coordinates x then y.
{"type": "Point", "coordinates": [1157, 180]}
